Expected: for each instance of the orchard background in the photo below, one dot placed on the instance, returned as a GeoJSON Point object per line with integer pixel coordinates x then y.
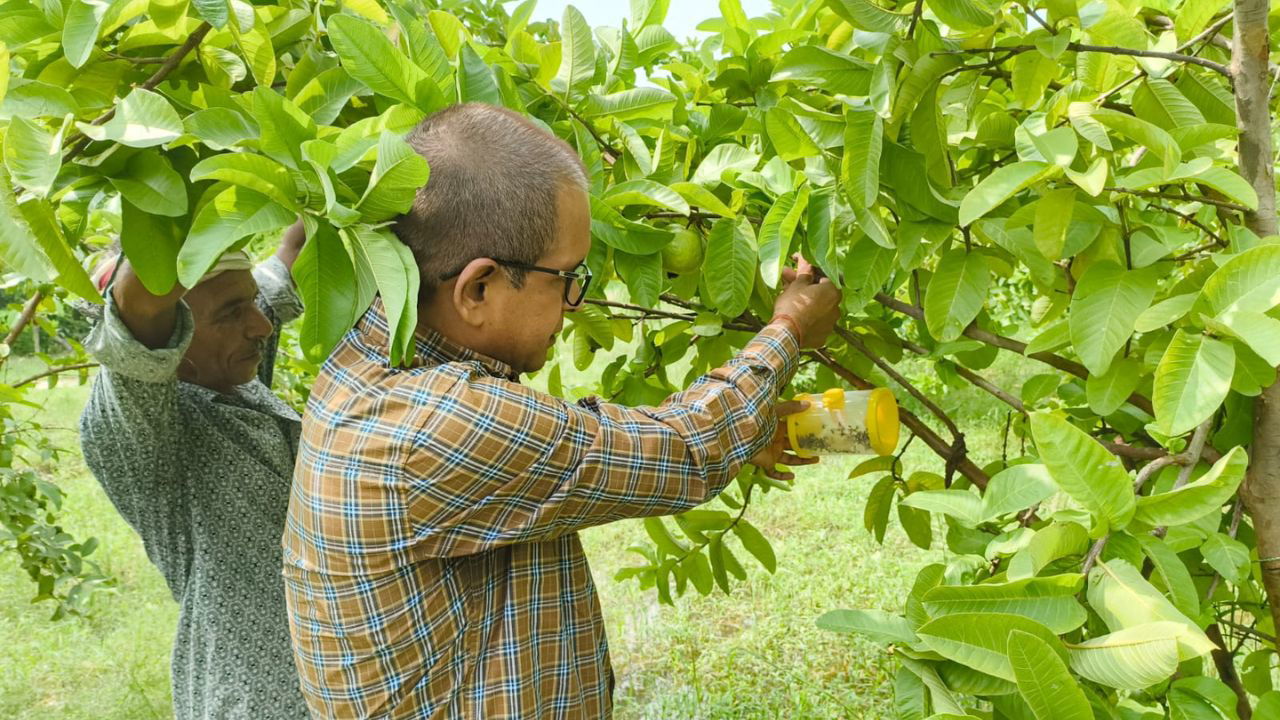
{"type": "Point", "coordinates": [1053, 223]}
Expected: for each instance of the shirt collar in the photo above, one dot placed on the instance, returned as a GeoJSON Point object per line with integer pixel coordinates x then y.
{"type": "Point", "coordinates": [431, 348]}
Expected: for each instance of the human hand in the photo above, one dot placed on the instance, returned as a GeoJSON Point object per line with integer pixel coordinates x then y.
{"type": "Point", "coordinates": [810, 304]}
{"type": "Point", "coordinates": [775, 453]}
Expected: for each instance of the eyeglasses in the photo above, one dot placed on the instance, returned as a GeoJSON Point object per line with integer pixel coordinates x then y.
{"type": "Point", "coordinates": [576, 281]}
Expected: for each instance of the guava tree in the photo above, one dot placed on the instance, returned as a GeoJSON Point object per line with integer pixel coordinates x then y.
{"type": "Point", "coordinates": [1086, 186]}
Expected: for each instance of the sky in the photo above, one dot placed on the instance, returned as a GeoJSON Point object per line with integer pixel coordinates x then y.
{"type": "Point", "coordinates": [682, 18]}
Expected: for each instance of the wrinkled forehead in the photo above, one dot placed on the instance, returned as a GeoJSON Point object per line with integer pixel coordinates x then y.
{"type": "Point", "coordinates": [224, 289]}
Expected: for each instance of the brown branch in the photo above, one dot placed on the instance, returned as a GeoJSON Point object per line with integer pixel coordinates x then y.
{"type": "Point", "coordinates": [1004, 343]}
{"type": "Point", "coordinates": [976, 380]}
{"type": "Point", "coordinates": [24, 318]}
{"type": "Point", "coordinates": [1184, 197]}
{"type": "Point", "coordinates": [651, 312]}
{"type": "Point", "coordinates": [1208, 33]}
{"type": "Point", "coordinates": [916, 12]}
{"type": "Point", "coordinates": [1226, 666]}
{"type": "Point", "coordinates": [166, 68]}
{"type": "Point", "coordinates": [1095, 552]}
{"type": "Point", "coordinates": [54, 371]}
{"type": "Point", "coordinates": [857, 343]}
{"type": "Point", "coordinates": [1108, 49]}
{"type": "Point", "coordinates": [1191, 219]}
{"type": "Point", "coordinates": [940, 447]}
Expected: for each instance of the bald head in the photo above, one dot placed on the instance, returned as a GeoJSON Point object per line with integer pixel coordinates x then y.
{"type": "Point", "coordinates": [494, 181]}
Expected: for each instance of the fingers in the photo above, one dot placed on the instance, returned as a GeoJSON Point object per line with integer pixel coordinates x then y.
{"type": "Point", "coordinates": [796, 461]}
{"type": "Point", "coordinates": [790, 407]}
{"type": "Point", "coordinates": [777, 474]}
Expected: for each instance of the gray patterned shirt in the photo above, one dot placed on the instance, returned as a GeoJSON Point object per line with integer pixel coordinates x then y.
{"type": "Point", "coordinates": [204, 478]}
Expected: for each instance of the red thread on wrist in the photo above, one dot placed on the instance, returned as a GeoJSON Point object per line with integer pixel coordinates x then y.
{"type": "Point", "coordinates": [789, 321]}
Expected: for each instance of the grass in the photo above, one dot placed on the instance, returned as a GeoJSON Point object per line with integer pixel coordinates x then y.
{"type": "Point", "coordinates": [753, 654]}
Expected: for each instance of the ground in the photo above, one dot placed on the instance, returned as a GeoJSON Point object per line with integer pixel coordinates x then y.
{"type": "Point", "coordinates": [753, 654]}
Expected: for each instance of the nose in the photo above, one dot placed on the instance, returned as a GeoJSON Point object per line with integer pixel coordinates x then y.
{"type": "Point", "coordinates": [259, 326]}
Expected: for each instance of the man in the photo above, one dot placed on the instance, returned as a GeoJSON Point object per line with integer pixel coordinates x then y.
{"type": "Point", "coordinates": [432, 564]}
{"type": "Point", "coordinates": [197, 454]}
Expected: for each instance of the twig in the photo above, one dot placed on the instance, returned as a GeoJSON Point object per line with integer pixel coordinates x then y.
{"type": "Point", "coordinates": [137, 60]}
{"type": "Point", "coordinates": [54, 371]}
{"type": "Point", "coordinates": [1153, 467]}
{"type": "Point", "coordinates": [1094, 553]}
{"type": "Point", "coordinates": [978, 381]}
{"type": "Point", "coordinates": [1194, 451]}
{"type": "Point", "coordinates": [857, 343]}
{"type": "Point", "coordinates": [1208, 33]}
{"type": "Point", "coordinates": [916, 12]}
{"type": "Point", "coordinates": [651, 312]}
{"type": "Point", "coordinates": [1108, 49]}
{"type": "Point", "coordinates": [24, 318]}
{"type": "Point", "coordinates": [1184, 197]}
{"type": "Point", "coordinates": [166, 68]}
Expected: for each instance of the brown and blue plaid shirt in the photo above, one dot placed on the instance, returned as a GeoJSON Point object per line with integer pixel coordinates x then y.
{"type": "Point", "coordinates": [431, 560]}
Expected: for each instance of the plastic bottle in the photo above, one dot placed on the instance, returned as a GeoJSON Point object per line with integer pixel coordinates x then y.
{"type": "Point", "coordinates": [845, 422]}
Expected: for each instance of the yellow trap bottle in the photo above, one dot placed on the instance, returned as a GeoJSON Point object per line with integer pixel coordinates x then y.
{"type": "Point", "coordinates": [845, 422]}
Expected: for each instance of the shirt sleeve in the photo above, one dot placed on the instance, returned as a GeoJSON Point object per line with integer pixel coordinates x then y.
{"type": "Point", "coordinates": [131, 432]}
{"type": "Point", "coordinates": [275, 286]}
{"type": "Point", "coordinates": [501, 463]}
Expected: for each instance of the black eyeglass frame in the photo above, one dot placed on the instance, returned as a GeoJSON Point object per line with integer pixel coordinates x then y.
{"type": "Point", "coordinates": [581, 273]}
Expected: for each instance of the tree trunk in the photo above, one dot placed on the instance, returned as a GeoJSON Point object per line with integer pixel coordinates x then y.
{"type": "Point", "coordinates": [1261, 491]}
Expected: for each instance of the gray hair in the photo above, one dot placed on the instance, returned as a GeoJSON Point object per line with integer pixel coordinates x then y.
{"type": "Point", "coordinates": [492, 193]}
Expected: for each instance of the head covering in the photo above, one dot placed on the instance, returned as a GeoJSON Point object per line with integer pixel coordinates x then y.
{"type": "Point", "coordinates": [234, 260]}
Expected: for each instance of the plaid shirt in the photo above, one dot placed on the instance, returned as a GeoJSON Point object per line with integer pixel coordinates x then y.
{"type": "Point", "coordinates": [431, 560]}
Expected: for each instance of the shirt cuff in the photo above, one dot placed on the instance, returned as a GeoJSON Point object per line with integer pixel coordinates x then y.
{"type": "Point", "coordinates": [777, 347]}
{"type": "Point", "coordinates": [115, 347]}
{"type": "Point", "coordinates": [275, 285]}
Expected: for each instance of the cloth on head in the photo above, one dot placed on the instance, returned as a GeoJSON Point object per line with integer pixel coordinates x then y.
{"type": "Point", "coordinates": [234, 260]}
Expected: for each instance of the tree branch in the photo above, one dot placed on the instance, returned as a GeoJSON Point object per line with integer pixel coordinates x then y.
{"type": "Point", "coordinates": [24, 318]}
{"type": "Point", "coordinates": [166, 68]}
{"type": "Point", "coordinates": [54, 371]}
{"type": "Point", "coordinates": [1208, 33]}
{"type": "Point", "coordinates": [1107, 49]}
{"type": "Point", "coordinates": [976, 380]}
{"type": "Point", "coordinates": [1184, 197]}
{"type": "Point", "coordinates": [929, 404]}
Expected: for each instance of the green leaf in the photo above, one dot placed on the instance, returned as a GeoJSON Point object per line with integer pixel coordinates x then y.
{"type": "Point", "coordinates": [254, 40]}
{"type": "Point", "coordinates": [777, 229]}
{"type": "Point", "coordinates": [220, 128]}
{"type": "Point", "coordinates": [326, 280]}
{"type": "Point", "coordinates": [1107, 301]}
{"type": "Point", "coordinates": [910, 698]}
{"type": "Point", "coordinates": [756, 544]}
{"type": "Point", "coordinates": [1142, 132]}
{"type": "Point", "coordinates": [962, 505]}
{"type": "Point", "coordinates": [980, 640]}
{"type": "Point", "coordinates": [1053, 218]}
{"type": "Point", "coordinates": [44, 226]}
{"type": "Point", "coordinates": [476, 82]}
{"type": "Point", "coordinates": [577, 53]}
{"type": "Point", "coordinates": [232, 215]}
{"type": "Point", "coordinates": [860, 165]}
{"type": "Point", "coordinates": [961, 14]}
{"type": "Point", "coordinates": [1015, 489]}
{"type": "Point", "coordinates": [251, 171]}
{"type": "Point", "coordinates": [836, 72]}
{"type": "Point", "coordinates": [325, 95]}
{"type": "Point", "coordinates": [698, 196]}
{"type": "Point", "coordinates": [1228, 556]}
{"type": "Point", "coordinates": [1001, 185]}
{"type": "Point", "coordinates": [1165, 313]}
{"type": "Point", "coordinates": [32, 155]}
{"type": "Point", "coordinates": [214, 12]}
{"type": "Point", "coordinates": [875, 516]}
{"type": "Point", "coordinates": [383, 256]}
{"type": "Point", "coordinates": [370, 57]}
{"type": "Point", "coordinates": [956, 293]}
{"type": "Point", "coordinates": [1058, 540]}
{"type": "Point", "coordinates": [1194, 500]}
{"type": "Point", "coordinates": [150, 183]}
{"type": "Point", "coordinates": [1044, 681]}
{"type": "Point", "coordinates": [143, 119]}
{"type": "Point", "coordinates": [284, 128]}
{"type": "Point", "coordinates": [1165, 105]}
{"type": "Point", "coordinates": [643, 275]}
{"type": "Point", "coordinates": [1260, 332]}
{"type": "Point", "coordinates": [647, 103]}
{"type": "Point", "coordinates": [866, 15]}
{"type": "Point", "coordinates": [645, 192]}
{"type": "Point", "coordinates": [1093, 180]}
{"type": "Point", "coordinates": [151, 242]}
{"type": "Point", "coordinates": [1249, 281]}
{"type": "Point", "coordinates": [1048, 600]}
{"type": "Point", "coordinates": [917, 525]}
{"type": "Point", "coordinates": [1124, 599]}
{"type": "Point", "coordinates": [878, 625]}
{"type": "Point", "coordinates": [788, 137]}
{"type": "Point", "coordinates": [731, 265]}
{"type": "Point", "coordinates": [397, 175]}
{"type": "Point", "coordinates": [1191, 381]}
{"type": "Point", "coordinates": [724, 158]}
{"type": "Point", "coordinates": [1129, 659]}
{"type": "Point", "coordinates": [1084, 470]}
{"type": "Point", "coordinates": [80, 29]}
{"type": "Point", "coordinates": [1170, 570]}
{"type": "Point", "coordinates": [1032, 73]}
{"type": "Point", "coordinates": [1109, 391]}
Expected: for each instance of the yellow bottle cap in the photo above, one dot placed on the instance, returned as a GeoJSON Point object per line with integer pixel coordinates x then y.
{"type": "Point", "coordinates": [882, 421]}
{"type": "Point", "coordinates": [791, 426]}
{"type": "Point", "coordinates": [833, 399]}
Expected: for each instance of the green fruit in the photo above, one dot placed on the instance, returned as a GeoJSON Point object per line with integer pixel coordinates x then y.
{"type": "Point", "coordinates": [684, 253]}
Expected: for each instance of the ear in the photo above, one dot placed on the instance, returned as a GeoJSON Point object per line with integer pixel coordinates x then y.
{"type": "Point", "coordinates": [472, 290]}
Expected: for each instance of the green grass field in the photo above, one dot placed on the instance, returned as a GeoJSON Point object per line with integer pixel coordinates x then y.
{"type": "Point", "coordinates": [753, 654]}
